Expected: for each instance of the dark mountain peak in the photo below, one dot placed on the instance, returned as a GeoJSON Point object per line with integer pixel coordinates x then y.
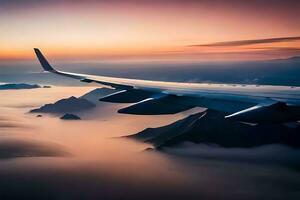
{"type": "Point", "coordinates": [295, 58]}
{"type": "Point", "coordinates": [170, 130]}
{"type": "Point", "coordinates": [18, 86]}
{"type": "Point", "coordinates": [69, 116]}
{"type": "Point", "coordinates": [74, 104]}
{"type": "Point", "coordinates": [211, 127]}
{"type": "Point", "coordinates": [71, 104]}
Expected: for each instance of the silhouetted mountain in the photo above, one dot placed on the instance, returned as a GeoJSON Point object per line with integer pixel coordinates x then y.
{"type": "Point", "coordinates": [18, 86]}
{"type": "Point", "coordinates": [294, 58]}
{"type": "Point", "coordinates": [46, 86]}
{"type": "Point", "coordinates": [297, 58]}
{"type": "Point", "coordinates": [98, 93]}
{"type": "Point", "coordinates": [68, 116]}
{"type": "Point", "coordinates": [71, 104]}
{"type": "Point", "coordinates": [212, 128]}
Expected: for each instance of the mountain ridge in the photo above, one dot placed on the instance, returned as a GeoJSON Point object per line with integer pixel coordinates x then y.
{"type": "Point", "coordinates": [210, 127]}
{"type": "Point", "coordinates": [71, 104]}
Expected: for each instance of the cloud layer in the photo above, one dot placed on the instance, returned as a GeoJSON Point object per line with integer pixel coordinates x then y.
{"type": "Point", "coordinates": [248, 42]}
{"type": "Point", "coordinates": [14, 148]}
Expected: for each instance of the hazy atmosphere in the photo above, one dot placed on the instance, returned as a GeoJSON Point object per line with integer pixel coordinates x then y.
{"type": "Point", "coordinates": [59, 141]}
{"type": "Point", "coordinates": [48, 158]}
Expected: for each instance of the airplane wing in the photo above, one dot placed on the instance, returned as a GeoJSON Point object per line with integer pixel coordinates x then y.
{"type": "Point", "coordinates": [249, 103]}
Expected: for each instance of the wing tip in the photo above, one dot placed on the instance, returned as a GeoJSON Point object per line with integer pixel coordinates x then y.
{"type": "Point", "coordinates": [43, 61]}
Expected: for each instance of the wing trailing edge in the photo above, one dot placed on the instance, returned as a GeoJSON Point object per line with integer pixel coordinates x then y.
{"type": "Point", "coordinates": [162, 105]}
{"type": "Point", "coordinates": [276, 112]}
{"type": "Point", "coordinates": [148, 103]}
{"type": "Point", "coordinates": [127, 96]}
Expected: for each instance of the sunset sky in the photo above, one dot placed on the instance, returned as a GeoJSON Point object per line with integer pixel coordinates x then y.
{"type": "Point", "coordinates": [203, 29]}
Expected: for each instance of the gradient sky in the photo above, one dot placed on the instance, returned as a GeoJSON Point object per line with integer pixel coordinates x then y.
{"type": "Point", "coordinates": [202, 29]}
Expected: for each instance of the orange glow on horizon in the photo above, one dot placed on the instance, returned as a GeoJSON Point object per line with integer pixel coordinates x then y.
{"type": "Point", "coordinates": [121, 29]}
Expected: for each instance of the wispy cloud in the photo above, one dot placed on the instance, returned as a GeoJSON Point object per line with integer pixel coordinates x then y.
{"type": "Point", "coordinates": [247, 42]}
{"type": "Point", "coordinates": [13, 148]}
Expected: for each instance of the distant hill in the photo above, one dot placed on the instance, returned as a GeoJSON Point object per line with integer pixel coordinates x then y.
{"type": "Point", "coordinates": [294, 58]}
{"type": "Point", "coordinates": [71, 104]}
{"type": "Point", "coordinates": [74, 104]}
{"type": "Point", "coordinates": [98, 93]}
{"type": "Point", "coordinates": [18, 86]}
{"type": "Point", "coordinates": [211, 127]}
{"type": "Point", "coordinates": [68, 116]}
{"type": "Point", "coordinates": [297, 58]}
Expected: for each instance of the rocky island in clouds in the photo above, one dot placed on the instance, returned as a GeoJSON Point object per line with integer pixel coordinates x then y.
{"type": "Point", "coordinates": [210, 127]}
{"type": "Point", "coordinates": [18, 86]}
{"type": "Point", "coordinates": [71, 104]}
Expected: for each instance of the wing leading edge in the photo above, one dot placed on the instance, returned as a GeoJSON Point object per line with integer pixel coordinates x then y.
{"type": "Point", "coordinates": [159, 98]}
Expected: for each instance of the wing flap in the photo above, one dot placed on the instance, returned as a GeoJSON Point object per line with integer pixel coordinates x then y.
{"type": "Point", "coordinates": [276, 112]}
{"type": "Point", "coordinates": [127, 96]}
{"type": "Point", "coordinates": [164, 105]}
{"type": "Point", "coordinates": [226, 106]}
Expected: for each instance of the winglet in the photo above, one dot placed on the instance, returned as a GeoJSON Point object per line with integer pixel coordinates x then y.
{"type": "Point", "coordinates": [46, 66]}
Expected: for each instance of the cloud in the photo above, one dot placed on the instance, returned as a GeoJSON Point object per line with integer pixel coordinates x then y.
{"type": "Point", "coordinates": [13, 124]}
{"type": "Point", "coordinates": [292, 49]}
{"type": "Point", "coordinates": [247, 42]}
{"type": "Point", "coordinates": [14, 148]}
{"type": "Point", "coordinates": [274, 154]}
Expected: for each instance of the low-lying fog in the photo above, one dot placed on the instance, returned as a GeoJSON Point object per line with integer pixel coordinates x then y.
{"type": "Point", "coordinates": [48, 158]}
